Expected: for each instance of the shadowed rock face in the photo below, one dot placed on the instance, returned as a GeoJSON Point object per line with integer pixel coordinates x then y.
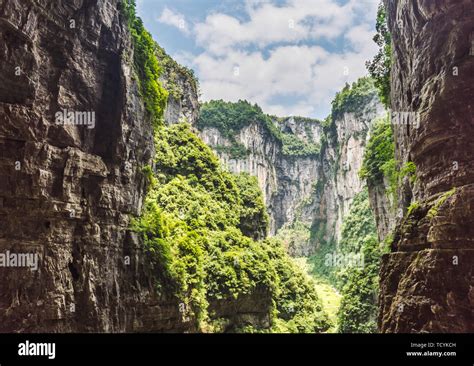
{"type": "Point", "coordinates": [67, 191]}
{"type": "Point", "coordinates": [427, 282]}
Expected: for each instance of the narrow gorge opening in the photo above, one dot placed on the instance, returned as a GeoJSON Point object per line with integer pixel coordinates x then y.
{"type": "Point", "coordinates": [303, 186]}
{"type": "Point", "coordinates": [280, 166]}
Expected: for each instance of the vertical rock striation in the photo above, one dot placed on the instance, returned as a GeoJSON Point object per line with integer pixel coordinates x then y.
{"type": "Point", "coordinates": [427, 281]}
{"type": "Point", "coordinates": [285, 180]}
{"type": "Point", "coordinates": [341, 162]}
{"type": "Point", "coordinates": [314, 191]}
{"type": "Point", "coordinates": [68, 190]}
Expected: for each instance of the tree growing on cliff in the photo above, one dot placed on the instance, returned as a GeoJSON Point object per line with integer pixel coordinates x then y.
{"type": "Point", "coordinates": [379, 67]}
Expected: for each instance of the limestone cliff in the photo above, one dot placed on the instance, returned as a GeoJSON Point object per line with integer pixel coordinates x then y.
{"type": "Point", "coordinates": [182, 104]}
{"type": "Point", "coordinates": [68, 190]}
{"type": "Point", "coordinates": [308, 191]}
{"type": "Point", "coordinates": [427, 281]}
{"type": "Point", "coordinates": [341, 160]}
{"type": "Point", "coordinates": [285, 180]}
{"type": "Point", "coordinates": [84, 150]}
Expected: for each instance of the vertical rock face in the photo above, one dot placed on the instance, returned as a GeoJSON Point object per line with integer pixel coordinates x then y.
{"type": "Point", "coordinates": [285, 180]}
{"type": "Point", "coordinates": [314, 190]}
{"type": "Point", "coordinates": [68, 190]}
{"type": "Point", "coordinates": [182, 104]}
{"type": "Point", "coordinates": [382, 207]}
{"type": "Point", "coordinates": [341, 163]}
{"type": "Point", "coordinates": [427, 282]}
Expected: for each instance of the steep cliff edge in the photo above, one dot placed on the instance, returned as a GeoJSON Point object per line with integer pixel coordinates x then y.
{"type": "Point", "coordinates": [268, 148]}
{"type": "Point", "coordinates": [354, 111]}
{"type": "Point", "coordinates": [135, 224]}
{"type": "Point", "coordinates": [308, 169]}
{"type": "Point", "coordinates": [67, 189]}
{"type": "Point", "coordinates": [427, 281]}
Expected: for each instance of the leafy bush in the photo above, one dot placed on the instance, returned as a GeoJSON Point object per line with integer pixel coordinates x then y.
{"type": "Point", "coordinates": [146, 64]}
{"type": "Point", "coordinates": [379, 68]}
{"type": "Point", "coordinates": [229, 118]}
{"type": "Point", "coordinates": [379, 156]}
{"type": "Point", "coordinates": [199, 223]}
{"type": "Point", "coordinates": [254, 219]}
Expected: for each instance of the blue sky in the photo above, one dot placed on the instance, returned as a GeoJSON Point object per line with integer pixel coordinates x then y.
{"type": "Point", "coordinates": [289, 56]}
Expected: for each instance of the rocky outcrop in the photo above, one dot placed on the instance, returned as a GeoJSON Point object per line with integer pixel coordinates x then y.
{"type": "Point", "coordinates": [342, 160]}
{"type": "Point", "coordinates": [76, 144]}
{"type": "Point", "coordinates": [382, 206]}
{"type": "Point", "coordinates": [285, 180]}
{"type": "Point", "coordinates": [69, 189]}
{"type": "Point", "coordinates": [427, 281]}
{"type": "Point", "coordinates": [312, 192]}
{"type": "Point", "coordinates": [182, 104]}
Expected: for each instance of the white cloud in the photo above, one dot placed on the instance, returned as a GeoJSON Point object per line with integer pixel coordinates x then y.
{"type": "Point", "coordinates": [279, 53]}
{"type": "Point", "coordinates": [174, 19]}
{"type": "Point", "coordinates": [298, 20]}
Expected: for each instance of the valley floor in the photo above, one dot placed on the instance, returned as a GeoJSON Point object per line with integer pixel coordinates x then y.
{"type": "Point", "coordinates": [330, 297]}
{"type": "Point", "coordinates": [331, 300]}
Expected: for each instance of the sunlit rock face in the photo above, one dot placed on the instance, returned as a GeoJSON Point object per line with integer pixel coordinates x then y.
{"type": "Point", "coordinates": [427, 282]}
{"type": "Point", "coordinates": [341, 163]}
{"type": "Point", "coordinates": [284, 180]}
{"type": "Point", "coordinates": [315, 190]}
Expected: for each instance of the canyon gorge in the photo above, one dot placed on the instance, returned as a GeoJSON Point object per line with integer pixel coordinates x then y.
{"type": "Point", "coordinates": [177, 215]}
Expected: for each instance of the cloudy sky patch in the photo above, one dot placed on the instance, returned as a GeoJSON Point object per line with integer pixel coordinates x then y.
{"type": "Point", "coordinates": [290, 57]}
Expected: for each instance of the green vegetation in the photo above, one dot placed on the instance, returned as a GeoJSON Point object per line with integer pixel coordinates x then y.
{"type": "Point", "coordinates": [331, 301]}
{"type": "Point", "coordinates": [205, 228]}
{"type": "Point", "coordinates": [199, 223]}
{"type": "Point", "coordinates": [175, 72]}
{"type": "Point", "coordinates": [352, 98]}
{"type": "Point", "coordinates": [229, 118]}
{"type": "Point", "coordinates": [433, 212]}
{"type": "Point", "coordinates": [254, 219]}
{"type": "Point", "coordinates": [379, 68]}
{"type": "Point", "coordinates": [379, 157]}
{"type": "Point", "coordinates": [359, 225]}
{"type": "Point", "coordinates": [413, 207]}
{"type": "Point", "coordinates": [298, 308]}
{"type": "Point", "coordinates": [235, 151]}
{"type": "Point", "coordinates": [294, 236]}
{"type": "Point", "coordinates": [146, 64]}
{"type": "Point", "coordinates": [379, 162]}
{"type": "Point", "coordinates": [357, 283]}
{"type": "Point", "coordinates": [293, 146]}
{"type": "Point", "coordinates": [408, 170]}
